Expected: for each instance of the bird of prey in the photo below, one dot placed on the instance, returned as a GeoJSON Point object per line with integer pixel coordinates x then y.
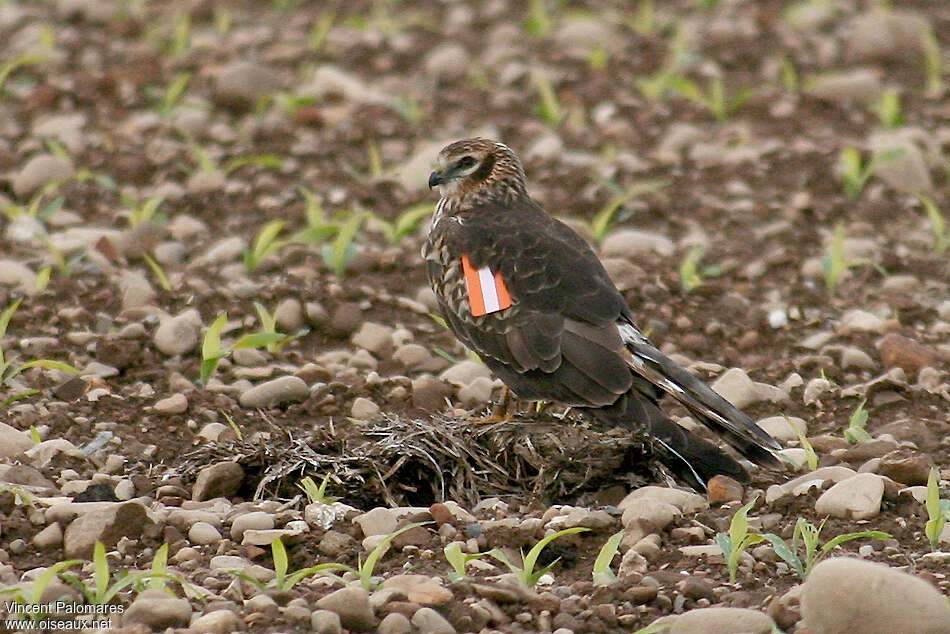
{"type": "Point", "coordinates": [530, 297]}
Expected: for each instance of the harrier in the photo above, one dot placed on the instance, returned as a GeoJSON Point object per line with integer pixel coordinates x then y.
{"type": "Point", "coordinates": [530, 297]}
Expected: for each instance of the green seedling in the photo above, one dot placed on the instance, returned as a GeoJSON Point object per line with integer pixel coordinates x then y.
{"type": "Point", "coordinates": [404, 224]}
{"type": "Point", "coordinates": [291, 103]}
{"type": "Point", "coordinates": [458, 559]}
{"type": "Point", "coordinates": [223, 19]}
{"type": "Point", "coordinates": [21, 497]}
{"type": "Point", "coordinates": [269, 325]}
{"type": "Point", "coordinates": [373, 159]}
{"type": "Point", "coordinates": [174, 91]}
{"type": "Point", "coordinates": [525, 573]}
{"type": "Point", "coordinates": [212, 351]}
{"type": "Point", "coordinates": [810, 455]}
{"type": "Point", "coordinates": [317, 494]}
{"type": "Point", "coordinates": [738, 540]}
{"type": "Point", "coordinates": [102, 593]}
{"type": "Point", "coordinates": [320, 30]}
{"type": "Point", "coordinates": [549, 108]}
{"type": "Point", "coordinates": [234, 427]}
{"type": "Point", "coordinates": [937, 510]}
{"type": "Point", "coordinates": [855, 173]}
{"type": "Point", "coordinates": [409, 108]}
{"type": "Point", "coordinates": [933, 64]}
{"type": "Point", "coordinates": [209, 166]}
{"type": "Point", "coordinates": [938, 225]}
{"type": "Point", "coordinates": [282, 580]}
{"type": "Point", "coordinates": [10, 368]}
{"type": "Point", "coordinates": [22, 61]}
{"type": "Point", "coordinates": [668, 78]}
{"type": "Point", "coordinates": [809, 534]}
{"type": "Point", "coordinates": [790, 81]}
{"type": "Point", "coordinates": [265, 243]}
{"type": "Point", "coordinates": [43, 278]}
{"type": "Point", "coordinates": [318, 229]}
{"type": "Point", "coordinates": [158, 271]}
{"type": "Point", "coordinates": [598, 58]}
{"type": "Point", "coordinates": [144, 210]}
{"type": "Point", "coordinates": [888, 109]}
{"type": "Point", "coordinates": [643, 20]}
{"type": "Point", "coordinates": [857, 425]}
{"type": "Point", "coordinates": [604, 217]}
{"type": "Point", "coordinates": [539, 21]}
{"type": "Point", "coordinates": [338, 254]}
{"type": "Point", "coordinates": [690, 276]}
{"type": "Point", "coordinates": [602, 573]}
{"type": "Point", "coordinates": [834, 263]}
{"type": "Point", "coordinates": [180, 40]}
{"type": "Point", "coordinates": [714, 98]}
{"type": "Point", "coordinates": [33, 598]}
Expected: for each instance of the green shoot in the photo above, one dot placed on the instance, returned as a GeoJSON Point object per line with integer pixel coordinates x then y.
{"type": "Point", "coordinates": [538, 23]}
{"type": "Point", "coordinates": [158, 572]}
{"type": "Point", "coordinates": [937, 510]}
{"type": "Point", "coordinates": [321, 28]}
{"type": "Point", "coordinates": [374, 159]}
{"type": "Point", "coordinates": [11, 66]}
{"type": "Point", "coordinates": [283, 581]}
{"type": "Point", "coordinates": [223, 19]}
{"type": "Point", "coordinates": [933, 64]}
{"type": "Point", "coordinates": [690, 277]}
{"type": "Point", "coordinates": [602, 572]}
{"type": "Point", "coordinates": [8, 368]}
{"type": "Point", "coordinates": [938, 225]}
{"type": "Point", "coordinates": [265, 243]}
{"type": "Point", "coordinates": [526, 573]}
{"type": "Point", "coordinates": [410, 109]}
{"type": "Point", "coordinates": [144, 211]}
{"type": "Point", "coordinates": [338, 255]}
{"type": "Point", "coordinates": [809, 534]}
{"type": "Point", "coordinates": [790, 79]}
{"type": "Point", "coordinates": [21, 497]}
{"type": "Point", "coordinates": [855, 173]}
{"type": "Point", "coordinates": [458, 559]}
{"type": "Point", "coordinates": [738, 540]}
{"type": "Point", "coordinates": [365, 568]}
{"type": "Point", "coordinates": [714, 99]}
{"type": "Point", "coordinates": [833, 263]}
{"type": "Point", "coordinates": [261, 160]}
{"type": "Point", "coordinates": [404, 224]}
{"type": "Point", "coordinates": [643, 21]}
{"type": "Point", "coordinates": [33, 598]}
{"type": "Point", "coordinates": [234, 427]}
{"type": "Point", "coordinates": [857, 425]}
{"type": "Point", "coordinates": [888, 109]}
{"type": "Point", "coordinates": [810, 454]}
{"type": "Point", "coordinates": [181, 35]}
{"type": "Point", "coordinates": [43, 277]}
{"type": "Point", "coordinates": [102, 593]}
{"type": "Point", "coordinates": [212, 351]}
{"type": "Point", "coordinates": [605, 216]}
{"type": "Point", "coordinates": [173, 93]}
{"type": "Point", "coordinates": [549, 108]}
{"type": "Point", "coordinates": [317, 494]}
{"type": "Point", "coordinates": [318, 228]}
{"type": "Point", "coordinates": [158, 271]}
{"type": "Point", "coordinates": [269, 325]}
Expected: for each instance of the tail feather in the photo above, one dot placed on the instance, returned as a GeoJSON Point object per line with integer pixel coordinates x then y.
{"type": "Point", "coordinates": [699, 399]}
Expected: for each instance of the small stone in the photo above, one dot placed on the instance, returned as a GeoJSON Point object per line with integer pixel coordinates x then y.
{"type": "Point", "coordinates": [856, 358]}
{"type": "Point", "coordinates": [107, 525]}
{"type": "Point", "coordinates": [174, 404]}
{"type": "Point", "coordinates": [736, 387]}
{"type": "Point", "coordinates": [719, 621]}
{"type": "Point", "coordinates": [685, 501]}
{"type": "Point", "coordinates": [782, 428]}
{"type": "Point", "coordinates": [255, 520]}
{"type": "Point", "coordinates": [285, 389]}
{"type": "Point", "coordinates": [902, 352]}
{"type": "Point", "coordinates": [376, 338]}
{"type": "Point", "coordinates": [325, 622]}
{"type": "Point", "coordinates": [447, 61]}
{"type": "Point", "coordinates": [476, 393]}
{"type": "Point", "coordinates": [289, 315]}
{"type": "Point", "coordinates": [862, 85]}
{"type": "Point", "coordinates": [885, 35]}
{"type": "Point", "coordinates": [394, 623]}
{"type": "Point", "coordinates": [630, 243]}
{"type": "Point", "coordinates": [49, 537]}
{"type": "Point", "coordinates": [352, 606]}
{"type": "Point", "coordinates": [243, 84]}
{"type": "Point", "coordinates": [158, 610]}
{"type": "Point", "coordinates": [420, 589]}
{"type": "Point", "coordinates": [428, 621]}
{"type": "Point", "coordinates": [906, 466]}
{"type": "Point", "coordinates": [648, 515]}
{"type": "Point", "coordinates": [859, 497]}
{"type": "Point", "coordinates": [216, 622]}
{"type": "Point", "coordinates": [814, 389]}
{"type": "Point", "coordinates": [40, 171]}
{"type": "Point", "coordinates": [899, 602]}
{"type": "Point", "coordinates": [465, 372]}
{"type": "Point", "coordinates": [721, 489]}
{"type": "Point", "coordinates": [346, 318]}
{"type": "Point", "coordinates": [379, 521]}
{"type": "Point", "coordinates": [364, 409]}
{"type": "Point", "coordinates": [202, 533]}
{"type": "Point", "coordinates": [333, 544]}
{"type": "Point", "coordinates": [13, 442]}
{"type": "Point", "coordinates": [221, 479]}
{"type": "Point", "coordinates": [179, 334]}
{"type": "Point", "coordinates": [857, 320]}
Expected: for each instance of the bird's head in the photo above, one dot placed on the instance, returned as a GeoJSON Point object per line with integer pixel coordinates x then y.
{"type": "Point", "coordinates": [477, 167]}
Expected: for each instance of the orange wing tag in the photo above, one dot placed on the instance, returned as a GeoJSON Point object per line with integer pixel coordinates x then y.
{"type": "Point", "coordinates": [487, 292]}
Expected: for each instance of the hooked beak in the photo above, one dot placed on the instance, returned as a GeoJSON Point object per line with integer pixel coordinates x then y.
{"type": "Point", "coordinates": [436, 178]}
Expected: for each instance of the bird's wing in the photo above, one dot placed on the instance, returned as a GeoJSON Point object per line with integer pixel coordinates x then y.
{"type": "Point", "coordinates": [560, 329]}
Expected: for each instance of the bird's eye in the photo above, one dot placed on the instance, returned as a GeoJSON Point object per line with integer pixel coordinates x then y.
{"type": "Point", "coordinates": [466, 162]}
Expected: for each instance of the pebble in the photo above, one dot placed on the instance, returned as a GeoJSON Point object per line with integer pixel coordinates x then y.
{"type": "Point", "coordinates": [49, 537]}
{"type": "Point", "coordinates": [378, 521]}
{"type": "Point", "coordinates": [906, 466]}
{"type": "Point", "coordinates": [174, 404]}
{"type": "Point", "coordinates": [895, 601]}
{"type": "Point", "coordinates": [476, 393]}
{"type": "Point", "coordinates": [465, 372]}
{"type": "Point", "coordinates": [429, 393]}
{"type": "Point", "coordinates": [898, 351]}
{"type": "Point", "coordinates": [364, 409]}
{"type": "Point", "coordinates": [374, 337]}
{"type": "Point", "coordinates": [647, 515]}
{"type": "Point", "coordinates": [720, 621]}
{"type": "Point", "coordinates": [880, 35]}
{"type": "Point", "coordinates": [804, 483]}
{"type": "Point", "coordinates": [39, 171]}
{"type": "Point", "coordinates": [107, 524]}
{"type": "Point", "coordinates": [861, 85]}
{"type": "Point", "coordinates": [255, 520]}
{"type": "Point", "coordinates": [221, 479]}
{"type": "Point", "coordinates": [685, 501]}
{"type": "Point", "coordinates": [217, 622]}
{"type": "Point", "coordinates": [13, 441]}
{"type": "Point", "coordinates": [325, 622]}
{"type": "Point", "coordinates": [285, 389]}
{"type": "Point", "coordinates": [721, 489]}
{"type": "Point", "coordinates": [420, 589]}
{"type": "Point", "coordinates": [782, 428]}
{"type": "Point", "coordinates": [856, 358]}
{"type": "Point", "coordinates": [859, 497]}
{"type": "Point", "coordinates": [630, 243]}
{"type": "Point", "coordinates": [857, 320]}
{"type": "Point", "coordinates": [202, 533]}
{"type": "Point", "coordinates": [158, 610]}
{"type": "Point", "coordinates": [351, 604]}
{"type": "Point", "coordinates": [14, 273]}
{"type": "Point", "coordinates": [428, 621]}
{"type": "Point", "coordinates": [179, 334]}
{"type": "Point", "coordinates": [394, 623]}
{"type": "Point", "coordinates": [242, 84]}
{"type": "Point", "coordinates": [289, 315]}
{"type": "Point", "coordinates": [447, 62]}
{"type": "Point", "coordinates": [907, 173]}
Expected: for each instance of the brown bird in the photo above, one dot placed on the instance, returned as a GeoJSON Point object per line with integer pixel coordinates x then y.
{"type": "Point", "coordinates": [530, 297]}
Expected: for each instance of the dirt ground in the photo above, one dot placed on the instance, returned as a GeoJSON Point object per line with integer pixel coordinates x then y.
{"type": "Point", "coordinates": [355, 113]}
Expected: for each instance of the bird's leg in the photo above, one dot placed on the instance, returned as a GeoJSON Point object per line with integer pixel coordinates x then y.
{"type": "Point", "coordinates": [502, 410]}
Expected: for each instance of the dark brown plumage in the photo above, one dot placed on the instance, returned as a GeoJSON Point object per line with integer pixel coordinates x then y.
{"type": "Point", "coordinates": [568, 334]}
